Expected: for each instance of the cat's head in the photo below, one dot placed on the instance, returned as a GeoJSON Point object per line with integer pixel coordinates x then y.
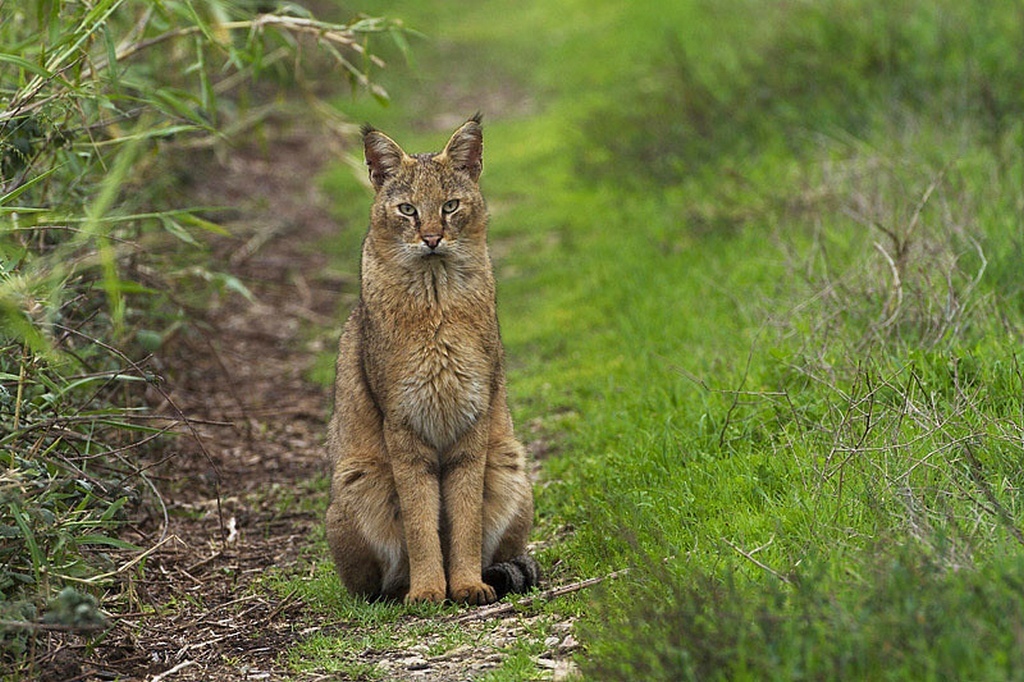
{"type": "Point", "coordinates": [427, 205]}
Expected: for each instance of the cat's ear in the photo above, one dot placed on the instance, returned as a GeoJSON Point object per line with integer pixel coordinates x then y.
{"type": "Point", "coordinates": [383, 155]}
{"type": "Point", "coordinates": [465, 151]}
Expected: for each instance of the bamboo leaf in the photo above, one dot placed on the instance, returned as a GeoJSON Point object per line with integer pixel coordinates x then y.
{"type": "Point", "coordinates": [23, 63]}
{"type": "Point", "coordinates": [38, 559]}
{"type": "Point", "coordinates": [18, 191]}
{"type": "Point", "coordinates": [176, 229]}
{"type": "Point", "coordinates": [96, 539]}
{"type": "Point", "coordinates": [196, 221]}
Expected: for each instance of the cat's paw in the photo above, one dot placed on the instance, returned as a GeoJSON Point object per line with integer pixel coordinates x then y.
{"type": "Point", "coordinates": [474, 593]}
{"type": "Point", "coordinates": [425, 596]}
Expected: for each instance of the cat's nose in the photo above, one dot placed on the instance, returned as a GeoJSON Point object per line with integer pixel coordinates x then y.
{"type": "Point", "coordinates": [431, 240]}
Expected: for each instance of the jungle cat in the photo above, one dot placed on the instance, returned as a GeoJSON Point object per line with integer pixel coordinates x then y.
{"type": "Point", "coordinates": [430, 493]}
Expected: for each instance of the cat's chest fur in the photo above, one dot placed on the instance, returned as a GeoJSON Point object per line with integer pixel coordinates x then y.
{"type": "Point", "coordinates": [442, 363]}
{"type": "Point", "coordinates": [444, 385]}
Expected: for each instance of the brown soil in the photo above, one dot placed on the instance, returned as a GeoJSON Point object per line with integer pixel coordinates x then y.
{"type": "Point", "coordinates": [198, 610]}
{"type": "Point", "coordinates": [237, 488]}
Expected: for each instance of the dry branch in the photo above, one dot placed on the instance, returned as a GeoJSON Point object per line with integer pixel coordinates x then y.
{"type": "Point", "coordinates": [176, 669]}
{"type": "Point", "coordinates": [505, 608]}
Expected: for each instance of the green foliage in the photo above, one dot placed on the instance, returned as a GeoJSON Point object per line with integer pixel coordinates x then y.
{"type": "Point", "coordinates": [95, 97]}
{"type": "Point", "coordinates": [98, 100]}
{"type": "Point", "coordinates": [760, 289]}
{"type": "Point", "coordinates": [896, 614]}
{"type": "Point", "coordinates": [784, 74]}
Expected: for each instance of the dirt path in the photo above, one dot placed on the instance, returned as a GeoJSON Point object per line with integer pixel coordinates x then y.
{"type": "Point", "coordinates": [232, 488]}
{"type": "Point", "coordinates": [239, 491]}
{"type": "Point", "coordinates": [195, 608]}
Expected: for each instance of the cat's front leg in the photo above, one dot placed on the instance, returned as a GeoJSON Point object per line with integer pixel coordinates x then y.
{"type": "Point", "coordinates": [462, 490]}
{"type": "Point", "coordinates": [415, 467]}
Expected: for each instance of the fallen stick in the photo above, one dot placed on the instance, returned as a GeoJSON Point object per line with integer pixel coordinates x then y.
{"type": "Point", "coordinates": [504, 608]}
{"type": "Point", "coordinates": [167, 673]}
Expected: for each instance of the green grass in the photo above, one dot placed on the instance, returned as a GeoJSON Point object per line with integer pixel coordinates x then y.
{"type": "Point", "coordinates": [760, 286]}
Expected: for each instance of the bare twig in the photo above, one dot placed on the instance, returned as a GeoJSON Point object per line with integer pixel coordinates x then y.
{"type": "Point", "coordinates": [181, 415]}
{"type": "Point", "coordinates": [284, 603]}
{"type": "Point", "coordinates": [737, 393]}
{"type": "Point", "coordinates": [893, 311]}
{"type": "Point", "coordinates": [504, 608]}
{"type": "Point", "coordinates": [57, 424]}
{"type": "Point", "coordinates": [173, 671]}
{"type": "Point", "coordinates": [916, 217]}
{"type": "Point", "coordinates": [21, 387]}
{"type": "Point", "coordinates": [125, 566]}
{"type": "Point", "coordinates": [978, 474]}
{"type": "Point", "coordinates": [206, 616]}
{"type": "Point", "coordinates": [202, 562]}
{"type": "Point", "coordinates": [749, 556]}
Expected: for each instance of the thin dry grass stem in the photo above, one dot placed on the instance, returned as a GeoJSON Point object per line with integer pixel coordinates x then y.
{"type": "Point", "coordinates": [749, 556]}
{"type": "Point", "coordinates": [19, 396]}
{"type": "Point", "coordinates": [997, 508]}
{"type": "Point", "coordinates": [945, 434]}
{"type": "Point", "coordinates": [892, 309]}
{"type": "Point", "coordinates": [184, 419]}
{"type": "Point", "coordinates": [915, 218]}
{"type": "Point", "coordinates": [134, 561]}
{"type": "Point", "coordinates": [913, 287]}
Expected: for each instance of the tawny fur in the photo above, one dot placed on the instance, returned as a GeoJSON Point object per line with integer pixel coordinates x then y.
{"type": "Point", "coordinates": [429, 484]}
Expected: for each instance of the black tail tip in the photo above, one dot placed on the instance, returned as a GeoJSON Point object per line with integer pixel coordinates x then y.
{"type": "Point", "coordinates": [519, 574]}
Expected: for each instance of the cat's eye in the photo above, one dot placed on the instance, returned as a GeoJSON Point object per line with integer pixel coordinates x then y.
{"type": "Point", "coordinates": [407, 209]}
{"type": "Point", "coordinates": [450, 206]}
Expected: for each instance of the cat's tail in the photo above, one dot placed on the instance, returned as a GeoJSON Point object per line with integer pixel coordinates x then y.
{"type": "Point", "coordinates": [518, 574]}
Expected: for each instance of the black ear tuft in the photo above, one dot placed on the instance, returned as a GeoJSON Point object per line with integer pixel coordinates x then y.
{"type": "Point", "coordinates": [383, 155]}
{"type": "Point", "coordinates": [465, 149]}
